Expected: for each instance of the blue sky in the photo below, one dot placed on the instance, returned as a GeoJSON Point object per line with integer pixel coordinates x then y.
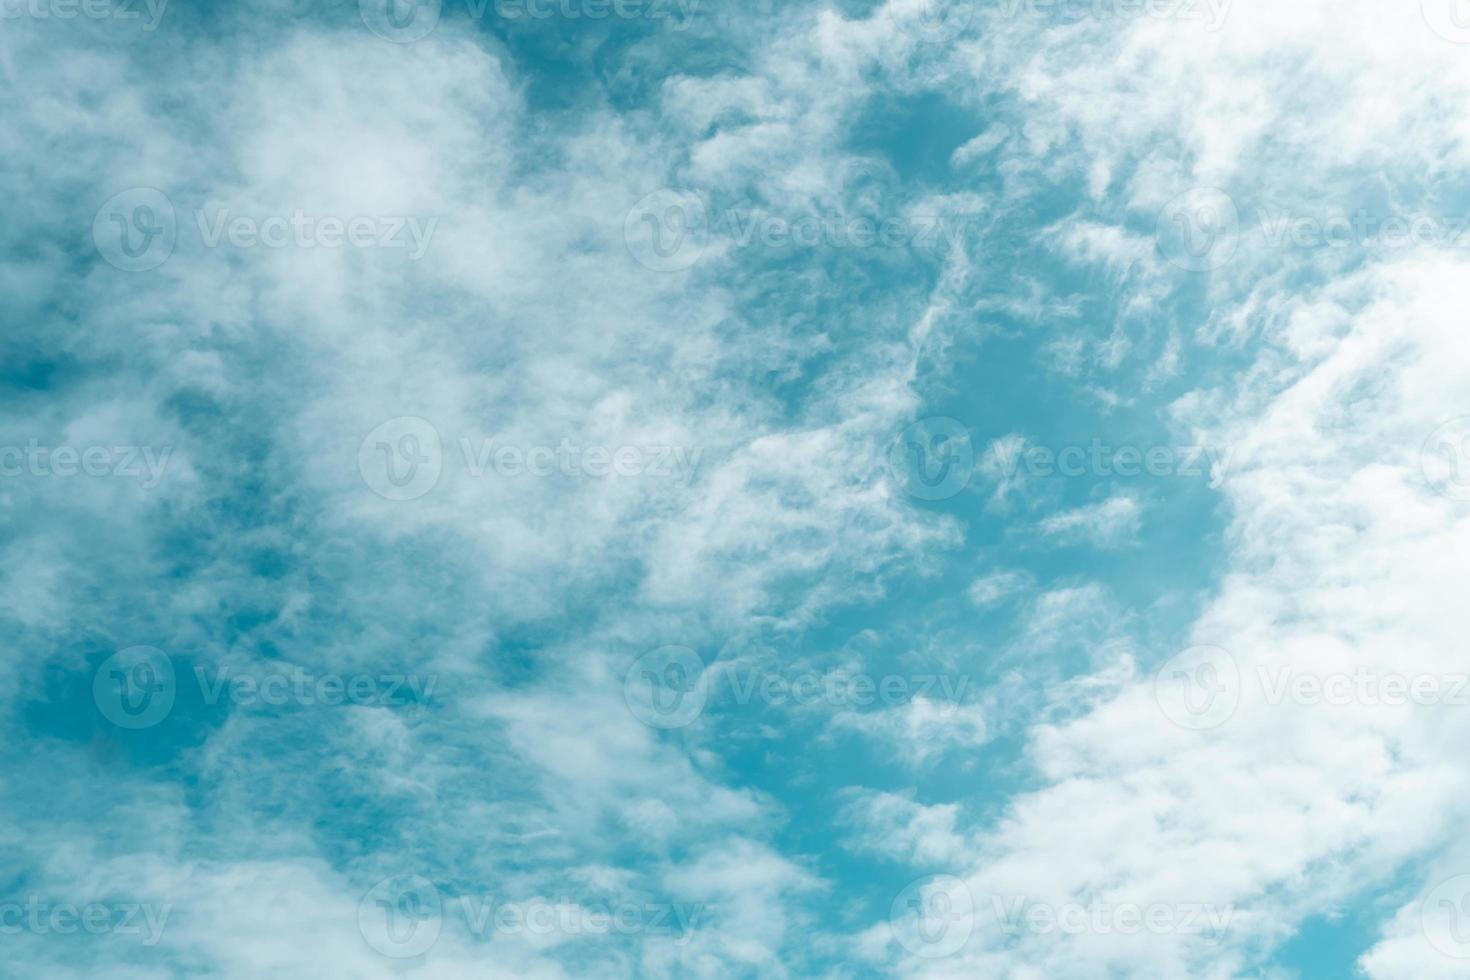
{"type": "Point", "coordinates": [676, 488]}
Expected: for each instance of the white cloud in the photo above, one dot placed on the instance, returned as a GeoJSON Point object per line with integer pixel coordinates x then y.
{"type": "Point", "coordinates": [922, 730]}
{"type": "Point", "coordinates": [895, 826]}
{"type": "Point", "coordinates": [989, 590]}
{"type": "Point", "coordinates": [1107, 523]}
